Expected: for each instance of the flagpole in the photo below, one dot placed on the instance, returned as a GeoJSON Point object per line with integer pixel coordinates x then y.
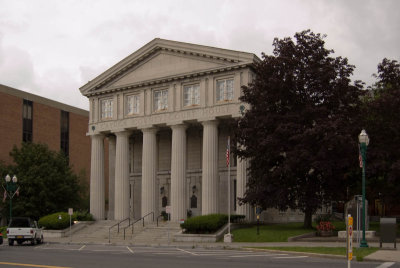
{"type": "Point", "coordinates": [229, 186]}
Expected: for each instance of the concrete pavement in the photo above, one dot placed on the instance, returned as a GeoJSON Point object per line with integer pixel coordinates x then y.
{"type": "Point", "coordinates": [152, 236]}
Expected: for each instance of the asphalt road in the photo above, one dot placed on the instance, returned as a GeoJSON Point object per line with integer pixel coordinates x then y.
{"type": "Point", "coordinates": [60, 255]}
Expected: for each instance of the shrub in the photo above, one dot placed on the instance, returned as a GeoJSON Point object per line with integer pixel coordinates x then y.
{"type": "Point", "coordinates": [325, 226]}
{"type": "Point", "coordinates": [83, 216]}
{"type": "Point", "coordinates": [164, 215]}
{"type": "Point", "coordinates": [204, 224]}
{"type": "Point", "coordinates": [323, 217]}
{"type": "Point", "coordinates": [3, 230]}
{"type": "Point", "coordinates": [53, 222]}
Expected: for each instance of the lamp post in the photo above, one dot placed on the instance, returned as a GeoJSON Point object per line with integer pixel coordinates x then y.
{"type": "Point", "coordinates": [364, 141]}
{"type": "Point", "coordinates": [11, 187]}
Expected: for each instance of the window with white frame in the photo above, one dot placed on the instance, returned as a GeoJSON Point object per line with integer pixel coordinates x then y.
{"type": "Point", "coordinates": [224, 90]}
{"type": "Point", "coordinates": [160, 100]}
{"type": "Point", "coordinates": [132, 104]}
{"type": "Point", "coordinates": [107, 109]}
{"type": "Point", "coordinates": [191, 95]}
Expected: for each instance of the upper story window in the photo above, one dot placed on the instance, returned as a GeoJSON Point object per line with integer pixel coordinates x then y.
{"type": "Point", "coordinates": [132, 104]}
{"type": "Point", "coordinates": [225, 90]}
{"type": "Point", "coordinates": [107, 109]}
{"type": "Point", "coordinates": [27, 117]}
{"type": "Point", "coordinates": [161, 100]}
{"type": "Point", "coordinates": [191, 95]}
{"type": "Point", "coordinates": [64, 139]}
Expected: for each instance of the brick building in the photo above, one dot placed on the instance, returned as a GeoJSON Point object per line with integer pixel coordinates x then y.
{"type": "Point", "coordinates": [28, 117]}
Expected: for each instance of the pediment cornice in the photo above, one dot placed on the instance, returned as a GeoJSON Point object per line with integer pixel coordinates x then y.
{"type": "Point", "coordinates": [229, 60]}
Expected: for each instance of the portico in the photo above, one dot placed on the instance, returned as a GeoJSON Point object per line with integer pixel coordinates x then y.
{"type": "Point", "coordinates": [165, 112]}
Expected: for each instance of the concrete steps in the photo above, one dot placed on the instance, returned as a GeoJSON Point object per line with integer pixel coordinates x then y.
{"type": "Point", "coordinates": [150, 234]}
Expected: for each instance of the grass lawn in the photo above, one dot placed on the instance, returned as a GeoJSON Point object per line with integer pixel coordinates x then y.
{"type": "Point", "coordinates": [358, 253]}
{"type": "Point", "coordinates": [270, 233]}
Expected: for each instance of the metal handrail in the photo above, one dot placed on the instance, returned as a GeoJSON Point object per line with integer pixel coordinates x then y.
{"type": "Point", "coordinates": [109, 229]}
{"type": "Point", "coordinates": [141, 219]}
{"type": "Point", "coordinates": [158, 218]}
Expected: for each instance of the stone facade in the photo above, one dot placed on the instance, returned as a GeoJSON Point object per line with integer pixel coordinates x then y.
{"type": "Point", "coordinates": [167, 109]}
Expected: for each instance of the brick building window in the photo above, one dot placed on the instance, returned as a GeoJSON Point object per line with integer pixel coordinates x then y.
{"type": "Point", "coordinates": [64, 139]}
{"type": "Point", "coordinates": [27, 116]}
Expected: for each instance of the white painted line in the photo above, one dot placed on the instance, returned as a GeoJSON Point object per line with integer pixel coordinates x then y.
{"type": "Point", "coordinates": [244, 256]}
{"type": "Point", "coordinates": [291, 257]}
{"type": "Point", "coordinates": [187, 252]}
{"type": "Point", "coordinates": [82, 247]}
{"type": "Point", "coordinates": [165, 253]}
{"type": "Point", "coordinates": [385, 265]}
{"type": "Point", "coordinates": [130, 249]}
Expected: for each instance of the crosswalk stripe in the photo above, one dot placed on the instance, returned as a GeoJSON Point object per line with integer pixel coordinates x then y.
{"type": "Point", "coordinates": [385, 265]}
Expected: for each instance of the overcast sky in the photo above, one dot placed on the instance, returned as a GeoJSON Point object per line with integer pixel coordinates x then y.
{"type": "Point", "coordinates": [53, 47]}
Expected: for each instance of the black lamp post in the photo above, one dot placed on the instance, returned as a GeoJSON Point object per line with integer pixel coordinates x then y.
{"type": "Point", "coordinates": [364, 141]}
{"type": "Point", "coordinates": [12, 188]}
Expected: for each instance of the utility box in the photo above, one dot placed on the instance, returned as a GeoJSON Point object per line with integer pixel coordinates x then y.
{"type": "Point", "coordinates": [388, 231]}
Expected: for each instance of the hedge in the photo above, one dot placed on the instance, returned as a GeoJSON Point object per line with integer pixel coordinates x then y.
{"type": "Point", "coordinates": [207, 224]}
{"type": "Point", "coordinates": [55, 222]}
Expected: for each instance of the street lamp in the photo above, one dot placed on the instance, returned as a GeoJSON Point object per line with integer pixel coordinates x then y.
{"type": "Point", "coordinates": [364, 141]}
{"type": "Point", "coordinates": [12, 189]}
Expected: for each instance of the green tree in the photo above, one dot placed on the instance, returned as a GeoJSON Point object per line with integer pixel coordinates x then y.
{"type": "Point", "coordinates": [383, 126]}
{"type": "Point", "coordinates": [300, 131]}
{"type": "Point", "coordinates": [47, 183]}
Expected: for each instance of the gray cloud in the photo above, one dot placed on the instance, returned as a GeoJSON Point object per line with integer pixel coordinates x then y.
{"type": "Point", "coordinates": [54, 47]}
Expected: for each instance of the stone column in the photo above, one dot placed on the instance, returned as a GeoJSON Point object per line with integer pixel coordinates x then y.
{"type": "Point", "coordinates": [241, 178]}
{"type": "Point", "coordinates": [122, 176]}
{"type": "Point", "coordinates": [111, 177]}
{"type": "Point", "coordinates": [210, 181]}
{"type": "Point", "coordinates": [97, 177]}
{"type": "Point", "coordinates": [149, 175]}
{"type": "Point", "coordinates": [178, 173]}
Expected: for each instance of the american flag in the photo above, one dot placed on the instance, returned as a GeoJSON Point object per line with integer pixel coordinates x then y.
{"type": "Point", "coordinates": [228, 151]}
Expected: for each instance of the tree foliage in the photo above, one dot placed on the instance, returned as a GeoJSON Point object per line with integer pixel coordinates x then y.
{"type": "Point", "coordinates": [382, 123]}
{"type": "Point", "coordinates": [300, 132]}
{"type": "Point", "coordinates": [47, 183]}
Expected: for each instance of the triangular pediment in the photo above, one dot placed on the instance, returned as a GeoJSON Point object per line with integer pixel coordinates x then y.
{"type": "Point", "coordinates": [166, 65]}
{"type": "Point", "coordinates": [165, 60]}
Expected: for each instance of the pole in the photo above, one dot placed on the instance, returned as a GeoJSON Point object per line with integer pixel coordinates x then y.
{"type": "Point", "coordinates": [10, 207]}
{"type": "Point", "coordinates": [229, 186]}
{"type": "Point", "coordinates": [363, 243]}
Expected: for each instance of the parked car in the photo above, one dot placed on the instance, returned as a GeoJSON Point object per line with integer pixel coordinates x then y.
{"type": "Point", "coordinates": [1, 238]}
{"type": "Point", "coordinates": [23, 229]}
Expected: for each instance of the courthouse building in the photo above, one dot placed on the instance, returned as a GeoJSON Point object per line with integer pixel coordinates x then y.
{"type": "Point", "coordinates": [165, 112]}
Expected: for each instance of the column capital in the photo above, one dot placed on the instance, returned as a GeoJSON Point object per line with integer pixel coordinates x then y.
{"type": "Point", "coordinates": [178, 126]}
{"type": "Point", "coordinates": [121, 132]}
{"type": "Point", "coordinates": [149, 130]}
{"type": "Point", "coordinates": [96, 135]}
{"type": "Point", "coordinates": [209, 122]}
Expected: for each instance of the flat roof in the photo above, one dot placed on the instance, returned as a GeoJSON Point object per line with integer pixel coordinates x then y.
{"type": "Point", "coordinates": [35, 98]}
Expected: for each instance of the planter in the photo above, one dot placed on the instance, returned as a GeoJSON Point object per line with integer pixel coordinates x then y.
{"type": "Point", "coordinates": [325, 233]}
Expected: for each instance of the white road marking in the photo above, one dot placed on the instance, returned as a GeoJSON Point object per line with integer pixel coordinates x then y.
{"type": "Point", "coordinates": [130, 249]}
{"type": "Point", "coordinates": [385, 265]}
{"type": "Point", "coordinates": [244, 256]}
{"type": "Point", "coordinates": [82, 247]}
{"type": "Point", "coordinates": [187, 252]}
{"type": "Point", "coordinates": [291, 257]}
